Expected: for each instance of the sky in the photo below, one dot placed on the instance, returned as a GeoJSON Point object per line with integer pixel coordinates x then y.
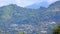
{"type": "Point", "coordinates": [24, 3]}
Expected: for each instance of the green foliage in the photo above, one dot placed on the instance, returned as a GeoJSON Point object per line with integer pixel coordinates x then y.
{"type": "Point", "coordinates": [57, 30]}
{"type": "Point", "coordinates": [7, 11]}
{"type": "Point", "coordinates": [21, 32]}
{"type": "Point", "coordinates": [0, 29]}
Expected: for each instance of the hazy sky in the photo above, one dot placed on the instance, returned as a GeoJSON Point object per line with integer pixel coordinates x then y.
{"type": "Point", "coordinates": [23, 3]}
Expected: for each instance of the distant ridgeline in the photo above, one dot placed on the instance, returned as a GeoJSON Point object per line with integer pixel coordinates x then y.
{"type": "Point", "coordinates": [13, 14]}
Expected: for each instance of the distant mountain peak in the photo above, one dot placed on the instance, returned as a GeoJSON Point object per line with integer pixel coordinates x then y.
{"type": "Point", "coordinates": [38, 5]}
{"type": "Point", "coordinates": [42, 7]}
{"type": "Point", "coordinates": [55, 6]}
{"type": "Point", "coordinates": [57, 3]}
{"type": "Point", "coordinates": [11, 5]}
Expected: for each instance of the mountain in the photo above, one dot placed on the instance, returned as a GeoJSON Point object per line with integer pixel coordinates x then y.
{"type": "Point", "coordinates": [37, 5]}
{"type": "Point", "coordinates": [56, 4]}
{"type": "Point", "coordinates": [51, 13]}
{"type": "Point", "coordinates": [14, 18]}
{"type": "Point", "coordinates": [55, 8]}
{"type": "Point", "coordinates": [11, 14]}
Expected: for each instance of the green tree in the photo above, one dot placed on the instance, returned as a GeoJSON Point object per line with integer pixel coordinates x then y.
{"type": "Point", "coordinates": [21, 32]}
{"type": "Point", "coordinates": [57, 30]}
{"type": "Point", "coordinates": [0, 29]}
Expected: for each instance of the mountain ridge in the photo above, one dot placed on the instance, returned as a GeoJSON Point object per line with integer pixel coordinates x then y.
{"type": "Point", "coordinates": [37, 19]}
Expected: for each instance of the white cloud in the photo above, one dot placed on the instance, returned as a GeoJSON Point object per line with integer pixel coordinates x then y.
{"type": "Point", "coordinates": [26, 2]}
{"type": "Point", "coordinates": [6, 2]}
{"type": "Point", "coordinates": [23, 3]}
{"type": "Point", "coordinates": [51, 1]}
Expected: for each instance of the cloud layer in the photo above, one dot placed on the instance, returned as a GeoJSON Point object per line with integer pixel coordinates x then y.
{"type": "Point", "coordinates": [23, 3]}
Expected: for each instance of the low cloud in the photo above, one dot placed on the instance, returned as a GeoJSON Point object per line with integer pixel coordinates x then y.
{"type": "Point", "coordinates": [23, 3]}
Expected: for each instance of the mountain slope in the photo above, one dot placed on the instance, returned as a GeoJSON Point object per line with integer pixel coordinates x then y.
{"type": "Point", "coordinates": [37, 19]}
{"type": "Point", "coordinates": [21, 15]}
{"type": "Point", "coordinates": [55, 8]}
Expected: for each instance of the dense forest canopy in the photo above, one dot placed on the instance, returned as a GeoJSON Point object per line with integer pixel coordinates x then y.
{"type": "Point", "coordinates": [29, 21]}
